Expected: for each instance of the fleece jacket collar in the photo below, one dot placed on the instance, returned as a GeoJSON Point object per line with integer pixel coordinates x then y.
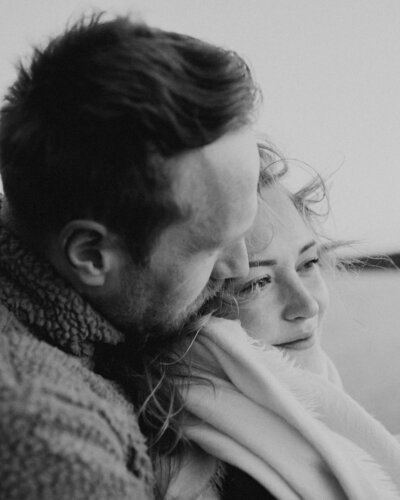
{"type": "Point", "coordinates": [44, 302]}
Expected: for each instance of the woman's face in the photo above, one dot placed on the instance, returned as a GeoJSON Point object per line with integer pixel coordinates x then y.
{"type": "Point", "coordinates": [283, 299]}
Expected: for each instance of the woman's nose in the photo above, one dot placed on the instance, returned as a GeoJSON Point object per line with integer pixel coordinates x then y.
{"type": "Point", "coordinates": [300, 302]}
{"type": "Point", "coordinates": [233, 262]}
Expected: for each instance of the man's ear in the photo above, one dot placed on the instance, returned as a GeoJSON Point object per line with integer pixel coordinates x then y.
{"type": "Point", "coordinates": [89, 250]}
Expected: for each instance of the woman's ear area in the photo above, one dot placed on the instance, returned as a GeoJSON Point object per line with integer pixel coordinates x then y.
{"type": "Point", "coordinates": [90, 252]}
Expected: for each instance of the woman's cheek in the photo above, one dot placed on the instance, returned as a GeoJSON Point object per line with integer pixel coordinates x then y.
{"type": "Point", "coordinates": [258, 320]}
{"type": "Point", "coordinates": [323, 299]}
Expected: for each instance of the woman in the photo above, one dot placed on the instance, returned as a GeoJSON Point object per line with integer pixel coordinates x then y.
{"type": "Point", "coordinates": [283, 300]}
{"type": "Point", "coordinates": [295, 433]}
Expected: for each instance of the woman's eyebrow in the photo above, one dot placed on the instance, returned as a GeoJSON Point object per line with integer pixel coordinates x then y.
{"type": "Point", "coordinates": [307, 246]}
{"type": "Point", "coordinates": [260, 263]}
{"type": "Point", "coordinates": [272, 262]}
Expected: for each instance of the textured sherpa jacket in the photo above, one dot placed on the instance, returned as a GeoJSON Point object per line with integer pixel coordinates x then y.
{"type": "Point", "coordinates": [66, 433]}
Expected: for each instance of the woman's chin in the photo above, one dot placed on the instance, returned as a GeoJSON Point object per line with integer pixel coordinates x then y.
{"type": "Point", "coordinates": [310, 358]}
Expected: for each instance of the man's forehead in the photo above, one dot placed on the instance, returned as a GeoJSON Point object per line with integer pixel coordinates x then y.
{"type": "Point", "coordinates": [217, 186]}
{"type": "Point", "coordinates": [207, 228]}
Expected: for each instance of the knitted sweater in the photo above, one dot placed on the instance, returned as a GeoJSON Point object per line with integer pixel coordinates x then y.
{"type": "Point", "coordinates": [66, 433]}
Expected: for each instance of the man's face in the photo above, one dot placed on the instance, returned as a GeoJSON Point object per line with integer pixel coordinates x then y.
{"type": "Point", "coordinates": [193, 257]}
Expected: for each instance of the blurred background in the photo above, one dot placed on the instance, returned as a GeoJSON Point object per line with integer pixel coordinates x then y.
{"type": "Point", "coordinates": [330, 75]}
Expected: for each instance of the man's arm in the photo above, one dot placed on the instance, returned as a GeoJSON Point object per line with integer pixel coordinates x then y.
{"type": "Point", "coordinates": [52, 448]}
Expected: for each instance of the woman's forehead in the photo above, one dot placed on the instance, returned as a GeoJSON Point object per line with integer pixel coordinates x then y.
{"type": "Point", "coordinates": [277, 217]}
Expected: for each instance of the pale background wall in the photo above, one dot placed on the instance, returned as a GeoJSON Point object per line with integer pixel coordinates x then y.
{"type": "Point", "coordinates": [329, 69]}
{"type": "Point", "coordinates": [362, 336]}
{"type": "Point", "coordinates": [330, 73]}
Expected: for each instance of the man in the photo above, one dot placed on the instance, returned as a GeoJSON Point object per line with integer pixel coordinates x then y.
{"type": "Point", "coordinates": [130, 178]}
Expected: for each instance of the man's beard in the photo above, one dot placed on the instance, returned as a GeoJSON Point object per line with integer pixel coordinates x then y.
{"type": "Point", "coordinates": [222, 303]}
{"type": "Point", "coordinates": [154, 324]}
{"type": "Point", "coordinates": [169, 327]}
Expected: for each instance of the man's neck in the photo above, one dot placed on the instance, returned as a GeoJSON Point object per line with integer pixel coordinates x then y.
{"type": "Point", "coordinates": [10, 222]}
{"type": "Point", "coordinates": [6, 217]}
{"type": "Point", "coordinates": [4, 211]}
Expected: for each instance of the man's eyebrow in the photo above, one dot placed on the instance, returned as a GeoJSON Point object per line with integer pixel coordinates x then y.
{"type": "Point", "coordinates": [261, 263]}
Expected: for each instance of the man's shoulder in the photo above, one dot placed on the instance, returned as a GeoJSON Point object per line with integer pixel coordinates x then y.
{"type": "Point", "coordinates": [56, 411]}
{"type": "Point", "coordinates": [30, 364]}
{"type": "Point", "coordinates": [7, 320]}
{"type": "Point", "coordinates": [26, 359]}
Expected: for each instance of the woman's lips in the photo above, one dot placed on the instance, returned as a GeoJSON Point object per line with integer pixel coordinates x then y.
{"type": "Point", "coordinates": [304, 342]}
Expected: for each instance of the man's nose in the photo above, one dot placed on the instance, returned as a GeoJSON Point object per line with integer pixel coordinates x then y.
{"type": "Point", "coordinates": [233, 263]}
{"type": "Point", "coordinates": [300, 302]}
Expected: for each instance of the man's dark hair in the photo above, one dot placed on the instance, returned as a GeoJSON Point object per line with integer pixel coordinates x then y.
{"type": "Point", "coordinates": [88, 125]}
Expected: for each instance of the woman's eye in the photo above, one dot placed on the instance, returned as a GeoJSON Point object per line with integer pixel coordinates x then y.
{"type": "Point", "coordinates": [311, 263]}
{"type": "Point", "coordinates": [255, 286]}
